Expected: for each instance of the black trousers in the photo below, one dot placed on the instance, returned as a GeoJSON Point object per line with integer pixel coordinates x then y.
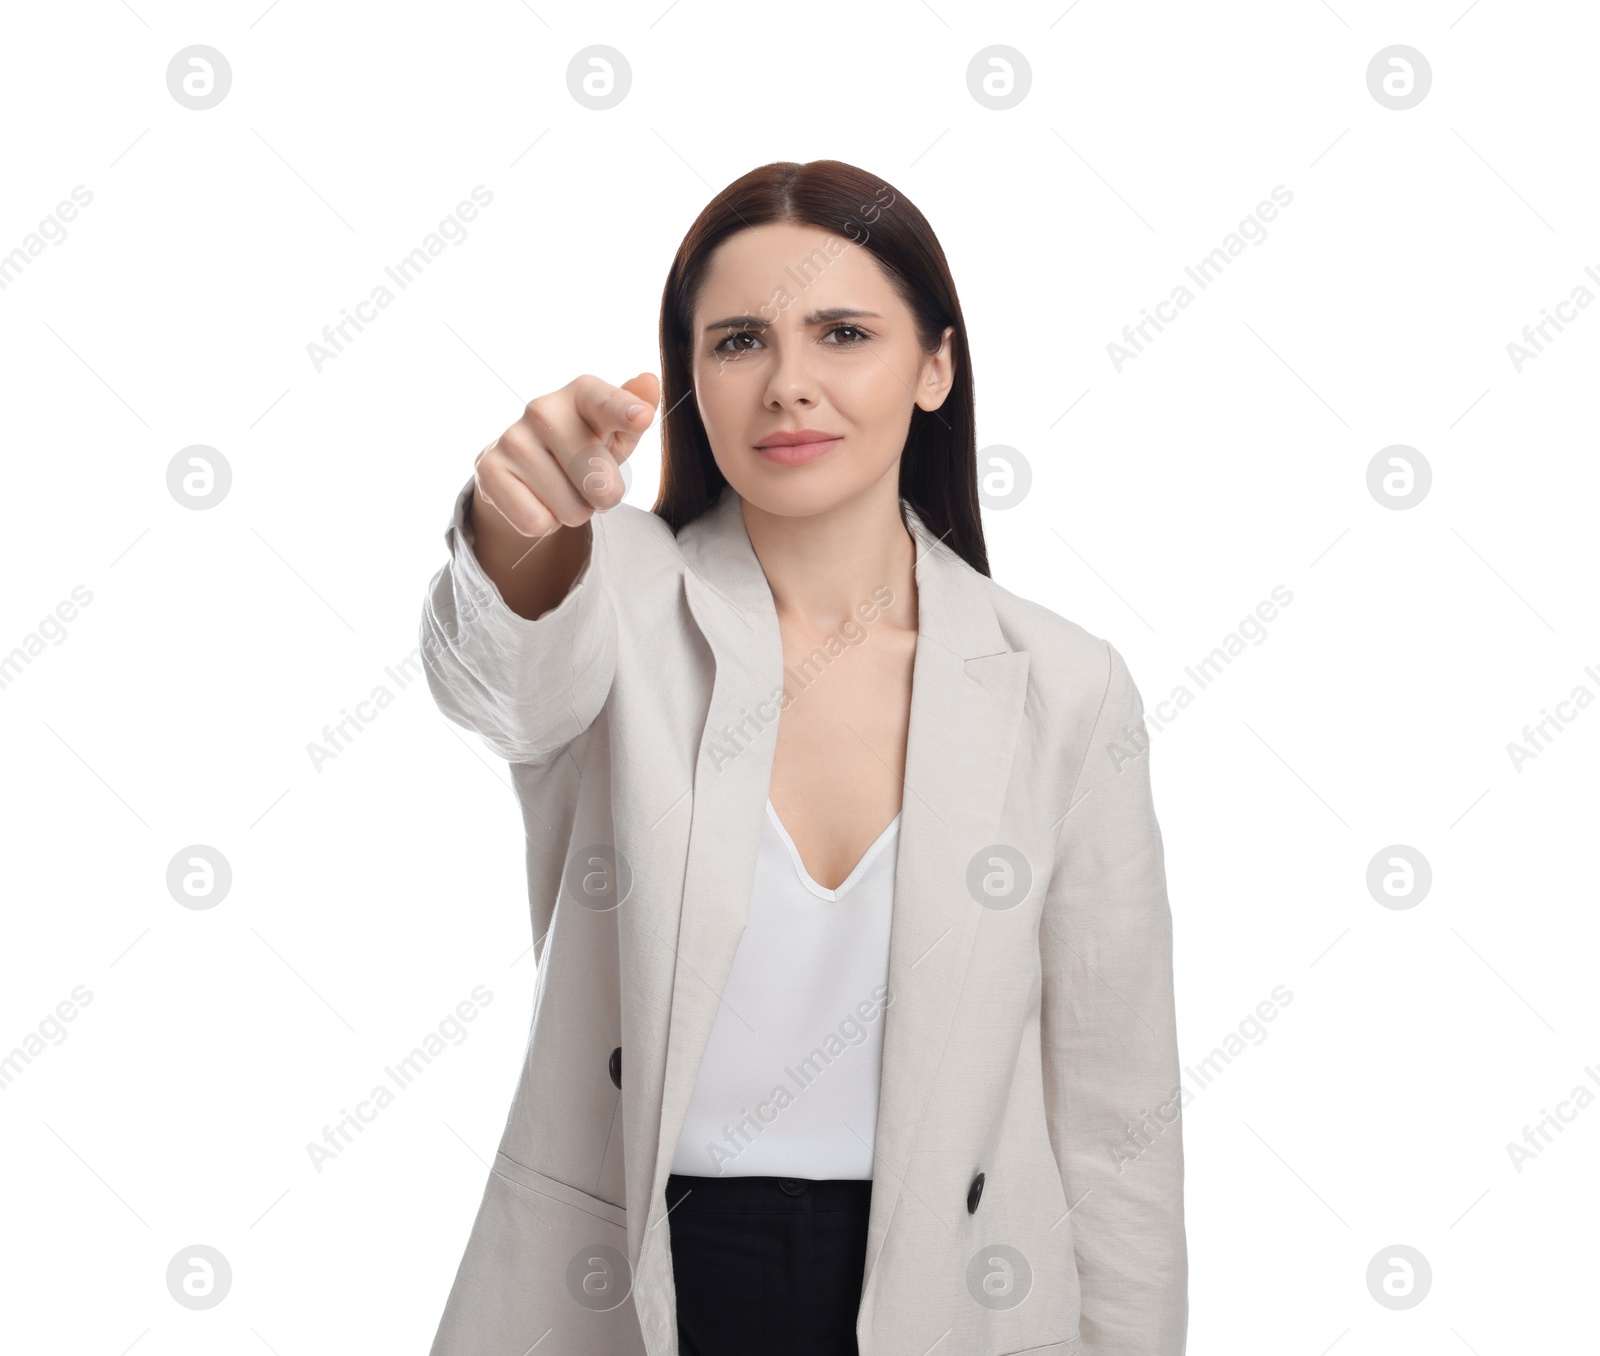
{"type": "Point", "coordinates": [768, 1266]}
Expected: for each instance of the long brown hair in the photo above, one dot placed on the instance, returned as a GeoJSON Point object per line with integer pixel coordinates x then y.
{"type": "Point", "coordinates": [938, 466]}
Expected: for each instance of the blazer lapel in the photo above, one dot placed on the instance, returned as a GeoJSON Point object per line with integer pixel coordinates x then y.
{"type": "Point", "coordinates": [966, 711]}
{"type": "Point", "coordinates": [967, 691]}
{"type": "Point", "coordinates": [728, 595]}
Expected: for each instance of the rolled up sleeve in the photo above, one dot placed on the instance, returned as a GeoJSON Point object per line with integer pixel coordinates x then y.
{"type": "Point", "coordinates": [529, 688]}
{"type": "Point", "coordinates": [1109, 1031]}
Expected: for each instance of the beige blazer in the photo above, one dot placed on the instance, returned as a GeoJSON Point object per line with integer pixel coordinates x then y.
{"type": "Point", "coordinates": [1027, 1188]}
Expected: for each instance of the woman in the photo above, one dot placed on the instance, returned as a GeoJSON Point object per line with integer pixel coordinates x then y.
{"type": "Point", "coordinates": [854, 1027]}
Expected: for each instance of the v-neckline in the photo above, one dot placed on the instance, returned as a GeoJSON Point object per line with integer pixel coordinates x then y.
{"type": "Point", "coordinates": [856, 872]}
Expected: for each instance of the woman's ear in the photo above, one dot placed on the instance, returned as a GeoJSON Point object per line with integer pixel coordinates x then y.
{"type": "Point", "coordinates": [938, 373]}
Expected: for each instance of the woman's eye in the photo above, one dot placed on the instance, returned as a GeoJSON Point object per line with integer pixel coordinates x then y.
{"type": "Point", "coordinates": [735, 350]}
{"type": "Point", "coordinates": [854, 329]}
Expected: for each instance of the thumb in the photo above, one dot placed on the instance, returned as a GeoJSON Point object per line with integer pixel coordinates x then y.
{"type": "Point", "coordinates": [647, 387]}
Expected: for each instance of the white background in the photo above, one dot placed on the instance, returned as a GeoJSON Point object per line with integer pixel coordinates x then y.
{"type": "Point", "coordinates": [369, 897]}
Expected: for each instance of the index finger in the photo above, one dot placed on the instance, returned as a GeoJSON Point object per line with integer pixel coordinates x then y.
{"type": "Point", "coordinates": [604, 408]}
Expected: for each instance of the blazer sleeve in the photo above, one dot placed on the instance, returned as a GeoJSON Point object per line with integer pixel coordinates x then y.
{"type": "Point", "coordinates": [1109, 1031]}
{"type": "Point", "coordinates": [528, 687]}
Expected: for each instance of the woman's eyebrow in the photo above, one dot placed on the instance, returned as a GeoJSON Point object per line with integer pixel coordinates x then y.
{"type": "Point", "coordinates": [827, 316]}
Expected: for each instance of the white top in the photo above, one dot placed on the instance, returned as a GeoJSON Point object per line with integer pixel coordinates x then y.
{"type": "Point", "coordinates": [788, 1086]}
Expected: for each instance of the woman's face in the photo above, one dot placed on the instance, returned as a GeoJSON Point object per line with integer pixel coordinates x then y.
{"type": "Point", "coordinates": [797, 330]}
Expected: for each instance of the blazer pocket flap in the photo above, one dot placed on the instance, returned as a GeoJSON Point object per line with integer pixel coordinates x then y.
{"type": "Point", "coordinates": [535, 1181]}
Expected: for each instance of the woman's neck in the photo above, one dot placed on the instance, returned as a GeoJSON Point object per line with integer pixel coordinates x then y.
{"type": "Point", "coordinates": [824, 567]}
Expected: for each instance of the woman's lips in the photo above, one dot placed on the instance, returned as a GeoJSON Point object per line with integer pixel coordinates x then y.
{"type": "Point", "coordinates": [796, 453]}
